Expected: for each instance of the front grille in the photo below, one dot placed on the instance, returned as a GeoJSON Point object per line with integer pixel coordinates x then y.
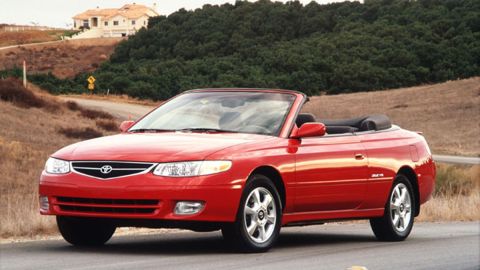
{"type": "Point", "coordinates": [94, 205]}
{"type": "Point", "coordinates": [110, 169]}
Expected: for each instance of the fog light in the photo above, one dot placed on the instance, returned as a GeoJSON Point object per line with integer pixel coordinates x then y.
{"type": "Point", "coordinates": [44, 204]}
{"type": "Point", "coordinates": [188, 208]}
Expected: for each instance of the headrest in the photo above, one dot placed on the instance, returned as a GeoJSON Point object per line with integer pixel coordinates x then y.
{"type": "Point", "coordinates": [376, 122]}
{"type": "Point", "coordinates": [305, 118]}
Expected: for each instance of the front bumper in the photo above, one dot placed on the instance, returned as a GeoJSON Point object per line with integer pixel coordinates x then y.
{"type": "Point", "coordinates": [143, 196]}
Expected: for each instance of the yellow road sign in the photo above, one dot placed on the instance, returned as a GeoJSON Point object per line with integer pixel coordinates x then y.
{"type": "Point", "coordinates": [91, 79]}
{"type": "Point", "coordinates": [91, 86]}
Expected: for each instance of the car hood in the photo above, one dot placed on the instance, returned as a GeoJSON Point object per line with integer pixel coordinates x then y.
{"type": "Point", "coordinates": [154, 147]}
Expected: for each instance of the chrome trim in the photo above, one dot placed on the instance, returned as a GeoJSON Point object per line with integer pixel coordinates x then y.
{"type": "Point", "coordinates": [119, 169]}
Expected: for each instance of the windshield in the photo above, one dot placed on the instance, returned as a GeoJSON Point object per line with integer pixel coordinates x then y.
{"type": "Point", "coordinates": [243, 112]}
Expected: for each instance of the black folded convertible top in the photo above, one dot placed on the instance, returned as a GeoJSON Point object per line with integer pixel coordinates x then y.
{"type": "Point", "coordinates": [336, 126]}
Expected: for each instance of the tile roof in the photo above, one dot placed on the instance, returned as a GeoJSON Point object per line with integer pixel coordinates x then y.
{"type": "Point", "coordinates": [129, 11]}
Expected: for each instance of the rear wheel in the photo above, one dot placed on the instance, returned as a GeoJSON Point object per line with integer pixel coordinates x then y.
{"type": "Point", "coordinates": [397, 221]}
{"type": "Point", "coordinates": [258, 221]}
{"type": "Point", "coordinates": [85, 231]}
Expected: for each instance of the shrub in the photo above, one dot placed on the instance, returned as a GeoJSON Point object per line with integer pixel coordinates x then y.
{"type": "Point", "coordinates": [72, 106]}
{"type": "Point", "coordinates": [107, 125]}
{"type": "Point", "coordinates": [94, 114]}
{"type": "Point", "coordinates": [12, 90]}
{"type": "Point", "coordinates": [80, 133]}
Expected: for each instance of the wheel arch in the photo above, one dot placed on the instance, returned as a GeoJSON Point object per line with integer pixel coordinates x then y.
{"type": "Point", "coordinates": [412, 178]}
{"type": "Point", "coordinates": [274, 175]}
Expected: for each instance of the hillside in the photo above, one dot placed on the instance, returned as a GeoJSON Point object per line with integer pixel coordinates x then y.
{"type": "Point", "coordinates": [34, 125]}
{"type": "Point", "coordinates": [8, 38]}
{"type": "Point", "coordinates": [63, 59]}
{"type": "Point", "coordinates": [335, 48]}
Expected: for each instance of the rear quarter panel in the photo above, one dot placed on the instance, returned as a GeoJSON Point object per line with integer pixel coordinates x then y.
{"type": "Point", "coordinates": [390, 151]}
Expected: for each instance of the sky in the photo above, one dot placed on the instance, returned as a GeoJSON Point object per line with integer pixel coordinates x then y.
{"type": "Point", "coordinates": [58, 13]}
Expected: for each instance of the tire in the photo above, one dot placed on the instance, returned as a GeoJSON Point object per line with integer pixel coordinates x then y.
{"type": "Point", "coordinates": [85, 231]}
{"type": "Point", "coordinates": [259, 217]}
{"type": "Point", "coordinates": [398, 218]}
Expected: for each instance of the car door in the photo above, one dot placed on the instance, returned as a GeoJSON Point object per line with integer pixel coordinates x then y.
{"type": "Point", "coordinates": [331, 173]}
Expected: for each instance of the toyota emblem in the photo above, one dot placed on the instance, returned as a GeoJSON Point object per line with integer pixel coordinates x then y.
{"type": "Point", "coordinates": [106, 169]}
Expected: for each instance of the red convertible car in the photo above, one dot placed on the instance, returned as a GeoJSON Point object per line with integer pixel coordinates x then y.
{"type": "Point", "coordinates": [243, 161]}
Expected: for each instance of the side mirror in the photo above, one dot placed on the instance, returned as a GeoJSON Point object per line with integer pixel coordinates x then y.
{"type": "Point", "coordinates": [126, 125]}
{"type": "Point", "coordinates": [309, 130]}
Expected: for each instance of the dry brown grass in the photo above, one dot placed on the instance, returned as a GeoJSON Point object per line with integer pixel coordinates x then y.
{"type": "Point", "coordinates": [447, 113]}
{"type": "Point", "coordinates": [107, 125]}
{"type": "Point", "coordinates": [457, 195]}
{"type": "Point", "coordinates": [12, 90]}
{"type": "Point", "coordinates": [80, 133]}
{"type": "Point", "coordinates": [30, 36]}
{"type": "Point", "coordinates": [64, 59]}
{"type": "Point", "coordinates": [94, 114]}
{"type": "Point", "coordinates": [27, 137]}
{"type": "Point", "coordinates": [452, 208]}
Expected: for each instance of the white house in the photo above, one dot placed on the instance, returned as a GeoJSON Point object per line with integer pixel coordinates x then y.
{"type": "Point", "coordinates": [112, 22]}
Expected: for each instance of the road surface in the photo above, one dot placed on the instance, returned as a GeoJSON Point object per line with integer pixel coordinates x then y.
{"type": "Point", "coordinates": [330, 246]}
{"type": "Point", "coordinates": [30, 44]}
{"type": "Point", "coordinates": [134, 111]}
{"type": "Point", "coordinates": [118, 109]}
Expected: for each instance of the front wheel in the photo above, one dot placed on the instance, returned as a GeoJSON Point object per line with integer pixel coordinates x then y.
{"type": "Point", "coordinates": [397, 221]}
{"type": "Point", "coordinates": [258, 221]}
{"type": "Point", "coordinates": [85, 231]}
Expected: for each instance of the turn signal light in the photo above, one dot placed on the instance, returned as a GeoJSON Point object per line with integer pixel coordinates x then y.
{"type": "Point", "coordinates": [44, 204]}
{"type": "Point", "coordinates": [188, 207]}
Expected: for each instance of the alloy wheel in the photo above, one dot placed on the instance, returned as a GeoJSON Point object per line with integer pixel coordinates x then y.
{"type": "Point", "coordinates": [400, 207]}
{"type": "Point", "coordinates": [260, 215]}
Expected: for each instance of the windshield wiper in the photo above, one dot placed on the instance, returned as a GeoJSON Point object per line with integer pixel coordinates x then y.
{"type": "Point", "coordinates": [140, 130]}
{"type": "Point", "coordinates": [205, 130]}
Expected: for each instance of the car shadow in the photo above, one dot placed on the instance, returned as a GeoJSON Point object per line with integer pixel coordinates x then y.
{"type": "Point", "coordinates": [206, 243]}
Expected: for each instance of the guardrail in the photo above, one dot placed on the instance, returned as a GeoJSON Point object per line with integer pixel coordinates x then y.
{"type": "Point", "coordinates": [456, 159]}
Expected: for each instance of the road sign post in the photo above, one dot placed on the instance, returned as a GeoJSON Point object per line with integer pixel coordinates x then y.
{"type": "Point", "coordinates": [91, 79]}
{"type": "Point", "coordinates": [91, 83]}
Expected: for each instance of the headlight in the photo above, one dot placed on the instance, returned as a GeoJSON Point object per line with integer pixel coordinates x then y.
{"type": "Point", "coordinates": [192, 168]}
{"type": "Point", "coordinates": [57, 166]}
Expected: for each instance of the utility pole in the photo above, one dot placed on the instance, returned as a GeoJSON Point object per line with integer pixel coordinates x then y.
{"type": "Point", "coordinates": [24, 74]}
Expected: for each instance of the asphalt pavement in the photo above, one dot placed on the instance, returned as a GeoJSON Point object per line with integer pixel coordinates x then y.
{"type": "Point", "coordinates": [330, 246]}
{"type": "Point", "coordinates": [118, 109]}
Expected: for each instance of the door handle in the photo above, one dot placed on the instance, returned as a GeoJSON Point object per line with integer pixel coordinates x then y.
{"type": "Point", "coordinates": [359, 156]}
